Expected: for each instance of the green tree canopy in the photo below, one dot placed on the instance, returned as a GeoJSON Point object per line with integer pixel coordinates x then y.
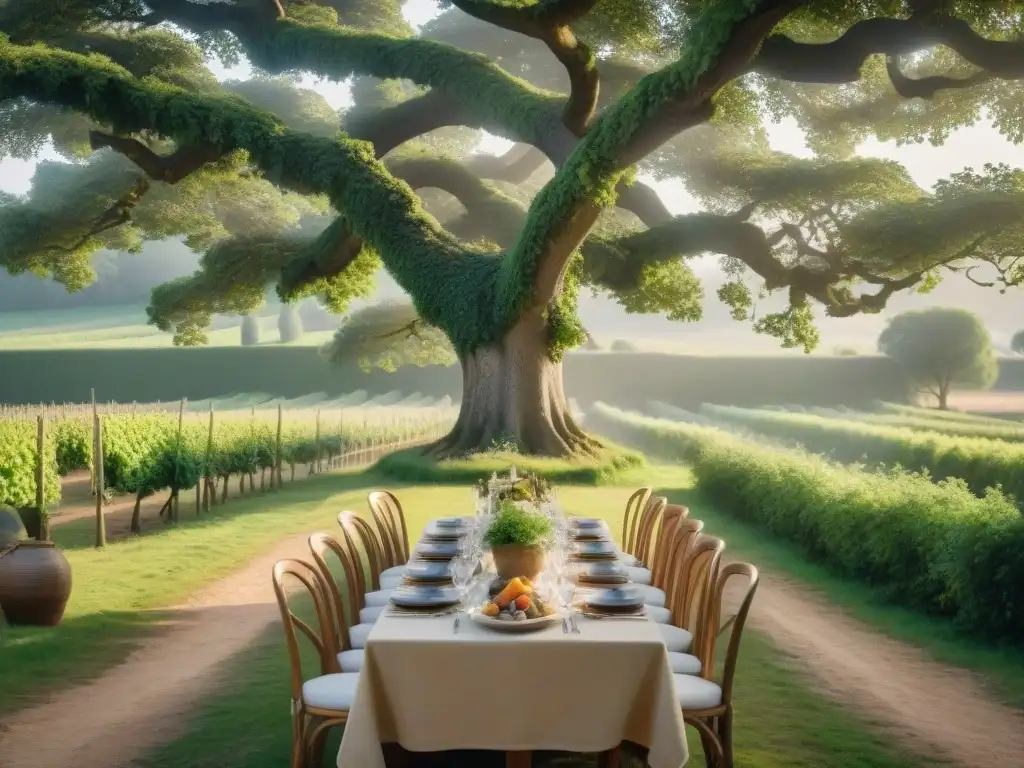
{"type": "Point", "coordinates": [277, 191]}
{"type": "Point", "coordinates": [940, 349]}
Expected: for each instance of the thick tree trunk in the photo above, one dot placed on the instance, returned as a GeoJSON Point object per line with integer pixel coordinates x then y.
{"type": "Point", "coordinates": [513, 393]}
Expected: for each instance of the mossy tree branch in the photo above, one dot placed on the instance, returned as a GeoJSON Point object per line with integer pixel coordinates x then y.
{"type": "Point", "coordinates": [664, 103]}
{"type": "Point", "coordinates": [550, 22]}
{"type": "Point", "coordinates": [841, 60]}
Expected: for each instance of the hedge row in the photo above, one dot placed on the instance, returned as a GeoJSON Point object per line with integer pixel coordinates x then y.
{"type": "Point", "coordinates": [934, 413]}
{"type": "Point", "coordinates": [933, 546]}
{"type": "Point", "coordinates": [982, 463]}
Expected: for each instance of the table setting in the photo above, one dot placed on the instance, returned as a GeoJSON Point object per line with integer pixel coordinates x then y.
{"type": "Point", "coordinates": [503, 617]}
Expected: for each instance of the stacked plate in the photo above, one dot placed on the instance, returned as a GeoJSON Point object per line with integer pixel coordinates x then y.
{"type": "Point", "coordinates": [437, 550]}
{"type": "Point", "coordinates": [428, 572]}
{"type": "Point", "coordinates": [438, 530]}
{"type": "Point", "coordinates": [594, 550]}
{"type": "Point", "coordinates": [424, 598]}
{"type": "Point", "coordinates": [601, 572]}
{"type": "Point", "coordinates": [619, 601]}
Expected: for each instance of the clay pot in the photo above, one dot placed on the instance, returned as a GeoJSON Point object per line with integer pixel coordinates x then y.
{"type": "Point", "coordinates": [35, 583]}
{"type": "Point", "coordinates": [511, 560]}
{"type": "Point", "coordinates": [11, 527]}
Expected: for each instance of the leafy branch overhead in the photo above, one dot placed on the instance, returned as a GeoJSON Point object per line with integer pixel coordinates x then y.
{"type": "Point", "coordinates": [278, 190]}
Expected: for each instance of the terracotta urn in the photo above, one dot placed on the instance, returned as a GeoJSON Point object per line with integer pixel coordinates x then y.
{"type": "Point", "coordinates": [35, 583]}
{"type": "Point", "coordinates": [511, 560]}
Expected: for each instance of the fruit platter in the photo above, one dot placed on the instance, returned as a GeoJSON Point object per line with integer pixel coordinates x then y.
{"type": "Point", "coordinates": [515, 606]}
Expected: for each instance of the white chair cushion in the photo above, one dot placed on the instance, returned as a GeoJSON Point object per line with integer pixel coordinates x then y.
{"type": "Point", "coordinates": [380, 597]}
{"type": "Point", "coordinates": [651, 595]}
{"type": "Point", "coordinates": [697, 693]}
{"type": "Point", "coordinates": [371, 613]}
{"type": "Point", "coordinates": [639, 575]}
{"type": "Point", "coordinates": [351, 661]}
{"type": "Point", "coordinates": [360, 632]}
{"type": "Point", "coordinates": [390, 582]}
{"type": "Point", "coordinates": [676, 639]}
{"type": "Point", "coordinates": [658, 614]}
{"type": "Point", "coordinates": [681, 663]}
{"type": "Point", "coordinates": [630, 561]}
{"type": "Point", "coordinates": [330, 691]}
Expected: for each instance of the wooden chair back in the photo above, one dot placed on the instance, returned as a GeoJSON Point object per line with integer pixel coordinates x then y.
{"type": "Point", "coordinates": [686, 533]}
{"type": "Point", "coordinates": [645, 529]}
{"type": "Point", "coordinates": [321, 637]}
{"type": "Point", "coordinates": [342, 611]}
{"type": "Point", "coordinates": [390, 519]}
{"type": "Point", "coordinates": [671, 515]}
{"type": "Point", "coordinates": [699, 575]}
{"type": "Point", "coordinates": [635, 505]}
{"type": "Point", "coordinates": [355, 529]}
{"type": "Point", "coordinates": [734, 625]}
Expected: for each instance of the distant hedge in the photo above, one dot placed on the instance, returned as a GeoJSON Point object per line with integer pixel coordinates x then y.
{"type": "Point", "coordinates": [933, 546]}
{"type": "Point", "coordinates": [126, 375]}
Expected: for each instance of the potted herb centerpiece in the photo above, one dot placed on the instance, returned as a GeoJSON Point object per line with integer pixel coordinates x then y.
{"type": "Point", "coordinates": [518, 537]}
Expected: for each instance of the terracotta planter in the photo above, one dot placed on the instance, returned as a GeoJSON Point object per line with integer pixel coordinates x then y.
{"type": "Point", "coordinates": [35, 583]}
{"type": "Point", "coordinates": [511, 560]}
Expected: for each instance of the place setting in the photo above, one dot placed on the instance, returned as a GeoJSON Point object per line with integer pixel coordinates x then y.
{"type": "Point", "coordinates": [622, 602]}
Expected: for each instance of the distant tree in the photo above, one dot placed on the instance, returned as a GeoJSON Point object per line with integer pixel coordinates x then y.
{"type": "Point", "coordinates": [250, 331]}
{"type": "Point", "coordinates": [387, 336]}
{"type": "Point", "coordinates": [591, 344]}
{"type": "Point", "coordinates": [939, 349]}
{"type": "Point", "coordinates": [846, 352]}
{"type": "Point", "coordinates": [289, 323]}
{"type": "Point", "coordinates": [1017, 343]}
{"type": "Point", "coordinates": [622, 345]}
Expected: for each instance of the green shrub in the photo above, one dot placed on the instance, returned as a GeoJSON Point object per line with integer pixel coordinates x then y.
{"type": "Point", "coordinates": [982, 463]}
{"type": "Point", "coordinates": [933, 546]}
{"type": "Point", "coordinates": [515, 526]}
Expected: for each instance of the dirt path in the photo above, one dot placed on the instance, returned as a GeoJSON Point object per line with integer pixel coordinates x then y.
{"type": "Point", "coordinates": [926, 705]}
{"type": "Point", "coordinates": [143, 702]}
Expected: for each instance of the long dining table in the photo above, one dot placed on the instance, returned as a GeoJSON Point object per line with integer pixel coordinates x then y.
{"type": "Point", "coordinates": [430, 687]}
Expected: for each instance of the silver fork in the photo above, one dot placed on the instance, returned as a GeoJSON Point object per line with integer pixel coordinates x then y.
{"type": "Point", "coordinates": [572, 620]}
{"type": "Point", "coordinates": [455, 627]}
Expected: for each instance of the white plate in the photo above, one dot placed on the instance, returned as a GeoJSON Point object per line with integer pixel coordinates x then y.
{"type": "Point", "coordinates": [523, 625]}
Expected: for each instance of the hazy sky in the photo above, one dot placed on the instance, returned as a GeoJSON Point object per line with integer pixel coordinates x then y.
{"type": "Point", "coordinates": [968, 147]}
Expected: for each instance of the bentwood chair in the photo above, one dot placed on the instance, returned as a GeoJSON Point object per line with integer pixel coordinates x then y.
{"type": "Point", "coordinates": [645, 528]}
{"type": "Point", "coordinates": [345, 627]}
{"type": "Point", "coordinates": [635, 505]}
{"type": "Point", "coordinates": [707, 705]}
{"type": "Point", "coordinates": [372, 597]}
{"type": "Point", "coordinates": [685, 634]}
{"type": "Point", "coordinates": [654, 576]}
{"type": "Point", "coordinates": [390, 518]}
{"type": "Point", "coordinates": [323, 701]}
{"type": "Point", "coordinates": [683, 537]}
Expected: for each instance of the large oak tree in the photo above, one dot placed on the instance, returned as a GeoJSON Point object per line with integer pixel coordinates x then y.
{"type": "Point", "coordinates": [493, 251]}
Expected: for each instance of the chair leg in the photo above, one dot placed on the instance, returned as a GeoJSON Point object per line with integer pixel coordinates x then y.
{"type": "Point", "coordinates": [298, 741]}
{"type": "Point", "coordinates": [610, 759]}
{"type": "Point", "coordinates": [725, 736]}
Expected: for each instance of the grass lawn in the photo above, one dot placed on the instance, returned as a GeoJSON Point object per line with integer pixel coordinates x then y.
{"type": "Point", "coordinates": [780, 721]}
{"type": "Point", "coordinates": [1002, 669]}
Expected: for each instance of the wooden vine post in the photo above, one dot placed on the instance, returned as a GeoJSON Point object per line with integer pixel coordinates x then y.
{"type": "Point", "coordinates": [208, 477]}
{"type": "Point", "coordinates": [276, 480]}
{"type": "Point", "coordinates": [177, 460]}
{"type": "Point", "coordinates": [316, 464]}
{"type": "Point", "coordinates": [43, 534]}
{"type": "Point", "coordinates": [97, 452]}
{"type": "Point", "coordinates": [92, 464]}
